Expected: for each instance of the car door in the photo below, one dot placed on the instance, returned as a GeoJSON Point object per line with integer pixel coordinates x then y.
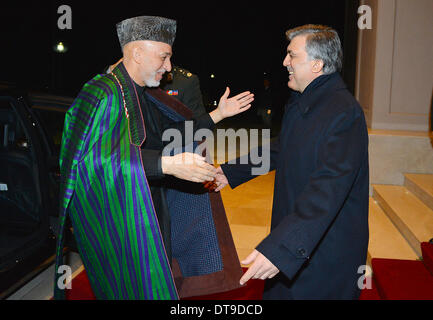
{"type": "Point", "coordinates": [23, 202]}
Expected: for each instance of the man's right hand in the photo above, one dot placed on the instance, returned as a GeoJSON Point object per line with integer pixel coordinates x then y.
{"type": "Point", "coordinates": [188, 166]}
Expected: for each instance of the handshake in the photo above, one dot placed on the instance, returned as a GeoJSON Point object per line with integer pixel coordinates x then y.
{"type": "Point", "coordinates": [193, 167]}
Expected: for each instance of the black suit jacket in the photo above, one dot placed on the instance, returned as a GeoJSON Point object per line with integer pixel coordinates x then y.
{"type": "Point", "coordinates": [319, 229]}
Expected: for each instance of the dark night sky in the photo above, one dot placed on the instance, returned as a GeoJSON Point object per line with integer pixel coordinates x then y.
{"type": "Point", "coordinates": [236, 41]}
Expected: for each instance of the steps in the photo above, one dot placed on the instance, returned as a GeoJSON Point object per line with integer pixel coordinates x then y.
{"type": "Point", "coordinates": [421, 185]}
{"type": "Point", "coordinates": [401, 225]}
{"type": "Point", "coordinates": [385, 240]}
{"type": "Point", "coordinates": [407, 212]}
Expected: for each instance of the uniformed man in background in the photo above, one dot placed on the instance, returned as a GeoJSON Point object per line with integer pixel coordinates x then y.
{"type": "Point", "coordinates": [185, 87]}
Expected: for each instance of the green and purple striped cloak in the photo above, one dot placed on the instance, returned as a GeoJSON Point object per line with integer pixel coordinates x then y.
{"type": "Point", "coordinates": [106, 194]}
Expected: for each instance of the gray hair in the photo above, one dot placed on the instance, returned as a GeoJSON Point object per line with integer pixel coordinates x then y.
{"type": "Point", "coordinates": [322, 43]}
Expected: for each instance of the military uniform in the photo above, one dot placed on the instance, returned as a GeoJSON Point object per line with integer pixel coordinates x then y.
{"type": "Point", "coordinates": [184, 86]}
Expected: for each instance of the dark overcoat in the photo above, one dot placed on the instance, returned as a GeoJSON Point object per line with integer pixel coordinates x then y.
{"type": "Point", "coordinates": [319, 229]}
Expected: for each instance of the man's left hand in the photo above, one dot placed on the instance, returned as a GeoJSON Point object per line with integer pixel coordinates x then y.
{"type": "Point", "coordinates": [261, 268]}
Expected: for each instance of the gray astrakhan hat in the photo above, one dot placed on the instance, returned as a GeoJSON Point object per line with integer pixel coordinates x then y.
{"type": "Point", "coordinates": [146, 28]}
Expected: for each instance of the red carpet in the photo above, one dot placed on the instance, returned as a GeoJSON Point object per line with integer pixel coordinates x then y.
{"type": "Point", "coordinates": [405, 279]}
{"type": "Point", "coordinates": [370, 294]}
{"type": "Point", "coordinates": [81, 289]}
{"type": "Point", "coordinates": [393, 280]}
{"type": "Point", "coordinates": [402, 279]}
{"type": "Point", "coordinates": [253, 290]}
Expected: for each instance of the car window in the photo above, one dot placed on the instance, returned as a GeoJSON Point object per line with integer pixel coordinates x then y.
{"type": "Point", "coordinates": [52, 119]}
{"type": "Point", "coordinates": [19, 197]}
{"type": "Point", "coordinates": [13, 135]}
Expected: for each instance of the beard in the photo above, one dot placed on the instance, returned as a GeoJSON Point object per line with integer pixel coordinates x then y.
{"type": "Point", "coordinates": [150, 79]}
{"type": "Point", "coordinates": [152, 83]}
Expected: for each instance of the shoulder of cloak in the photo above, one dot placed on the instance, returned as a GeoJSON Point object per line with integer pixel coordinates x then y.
{"type": "Point", "coordinates": [81, 114]}
{"type": "Point", "coordinates": [98, 88]}
{"type": "Point", "coordinates": [82, 111]}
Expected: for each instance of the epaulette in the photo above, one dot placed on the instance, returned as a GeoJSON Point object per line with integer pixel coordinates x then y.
{"type": "Point", "coordinates": [183, 72]}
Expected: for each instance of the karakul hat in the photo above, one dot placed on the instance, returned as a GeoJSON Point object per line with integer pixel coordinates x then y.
{"type": "Point", "coordinates": [146, 28]}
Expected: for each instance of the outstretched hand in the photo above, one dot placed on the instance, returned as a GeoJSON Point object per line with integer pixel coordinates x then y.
{"type": "Point", "coordinates": [234, 105]}
{"type": "Point", "coordinates": [228, 107]}
{"type": "Point", "coordinates": [261, 267]}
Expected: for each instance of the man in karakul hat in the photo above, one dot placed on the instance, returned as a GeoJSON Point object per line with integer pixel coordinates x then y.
{"type": "Point", "coordinates": [145, 226]}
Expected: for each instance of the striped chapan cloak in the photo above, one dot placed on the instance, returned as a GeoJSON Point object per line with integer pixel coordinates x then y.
{"type": "Point", "coordinates": [105, 193]}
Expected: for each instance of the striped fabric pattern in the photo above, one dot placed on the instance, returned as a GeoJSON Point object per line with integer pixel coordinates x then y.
{"type": "Point", "coordinates": [105, 192]}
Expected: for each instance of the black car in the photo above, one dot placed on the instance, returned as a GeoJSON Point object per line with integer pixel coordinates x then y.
{"type": "Point", "coordinates": [31, 127]}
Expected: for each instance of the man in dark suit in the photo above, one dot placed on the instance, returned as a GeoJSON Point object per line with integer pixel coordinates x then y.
{"type": "Point", "coordinates": [319, 229]}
